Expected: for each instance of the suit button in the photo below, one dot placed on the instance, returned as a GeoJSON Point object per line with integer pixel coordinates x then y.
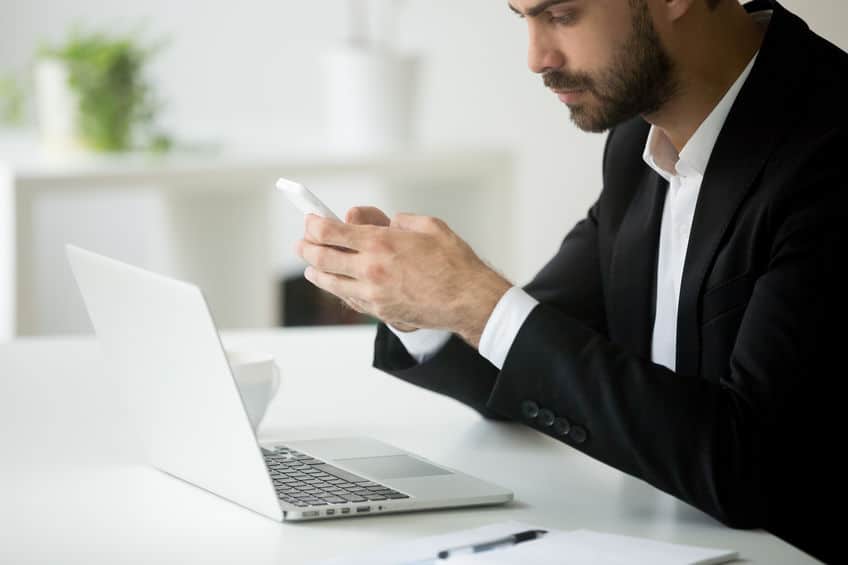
{"type": "Point", "coordinates": [529, 409]}
{"type": "Point", "coordinates": [545, 418]}
{"type": "Point", "coordinates": [577, 434]}
{"type": "Point", "coordinates": [561, 427]}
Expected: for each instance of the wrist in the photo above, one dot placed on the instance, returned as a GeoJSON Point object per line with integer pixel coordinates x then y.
{"type": "Point", "coordinates": [482, 299]}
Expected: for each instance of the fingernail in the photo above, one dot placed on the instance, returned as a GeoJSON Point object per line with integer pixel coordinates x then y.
{"type": "Point", "coordinates": [307, 274]}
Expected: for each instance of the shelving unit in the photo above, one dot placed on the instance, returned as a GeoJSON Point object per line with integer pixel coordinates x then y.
{"type": "Point", "coordinates": [215, 221]}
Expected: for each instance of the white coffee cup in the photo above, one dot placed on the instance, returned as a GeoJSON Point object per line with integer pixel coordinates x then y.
{"type": "Point", "coordinates": [258, 379]}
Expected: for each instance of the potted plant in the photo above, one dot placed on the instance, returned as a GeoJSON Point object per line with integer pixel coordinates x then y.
{"type": "Point", "coordinates": [92, 93]}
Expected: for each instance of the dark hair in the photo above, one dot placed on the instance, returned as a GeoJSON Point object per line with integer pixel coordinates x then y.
{"type": "Point", "coordinates": [713, 3]}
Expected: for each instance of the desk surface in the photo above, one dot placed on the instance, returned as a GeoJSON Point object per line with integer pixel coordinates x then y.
{"type": "Point", "coordinates": [73, 491]}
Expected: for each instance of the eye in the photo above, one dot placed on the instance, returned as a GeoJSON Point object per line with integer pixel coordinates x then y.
{"type": "Point", "coordinates": [565, 17]}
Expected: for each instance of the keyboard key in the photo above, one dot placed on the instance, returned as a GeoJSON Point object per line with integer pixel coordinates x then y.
{"type": "Point", "coordinates": [352, 498]}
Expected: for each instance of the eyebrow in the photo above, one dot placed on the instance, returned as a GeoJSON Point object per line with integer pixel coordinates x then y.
{"type": "Point", "coordinates": [538, 8]}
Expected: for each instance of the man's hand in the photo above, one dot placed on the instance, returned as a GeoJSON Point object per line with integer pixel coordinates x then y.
{"type": "Point", "coordinates": [412, 273]}
{"type": "Point", "coordinates": [369, 215]}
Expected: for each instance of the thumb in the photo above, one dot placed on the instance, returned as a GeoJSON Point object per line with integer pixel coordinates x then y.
{"type": "Point", "coordinates": [367, 215]}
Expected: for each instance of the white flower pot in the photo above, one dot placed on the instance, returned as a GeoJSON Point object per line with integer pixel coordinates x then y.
{"type": "Point", "coordinates": [370, 97]}
{"type": "Point", "coordinates": [57, 107]}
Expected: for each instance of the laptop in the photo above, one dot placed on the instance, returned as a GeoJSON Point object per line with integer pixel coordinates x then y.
{"type": "Point", "coordinates": [158, 336]}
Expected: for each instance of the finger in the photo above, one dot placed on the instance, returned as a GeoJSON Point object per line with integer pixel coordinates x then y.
{"type": "Point", "coordinates": [329, 259]}
{"type": "Point", "coordinates": [330, 232]}
{"type": "Point", "coordinates": [367, 215]}
{"type": "Point", "coordinates": [414, 222]}
{"type": "Point", "coordinates": [341, 286]}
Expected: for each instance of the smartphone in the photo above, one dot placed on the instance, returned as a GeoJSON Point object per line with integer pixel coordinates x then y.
{"type": "Point", "coordinates": [303, 198]}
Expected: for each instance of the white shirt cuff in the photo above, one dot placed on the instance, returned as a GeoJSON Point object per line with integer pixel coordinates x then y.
{"type": "Point", "coordinates": [504, 323]}
{"type": "Point", "coordinates": [422, 344]}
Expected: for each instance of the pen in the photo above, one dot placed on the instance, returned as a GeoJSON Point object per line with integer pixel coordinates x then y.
{"type": "Point", "coordinates": [493, 544]}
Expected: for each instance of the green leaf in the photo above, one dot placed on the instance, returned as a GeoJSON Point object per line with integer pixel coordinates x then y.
{"type": "Point", "coordinates": [108, 73]}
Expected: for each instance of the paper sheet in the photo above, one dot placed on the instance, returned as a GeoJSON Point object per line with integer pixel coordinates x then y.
{"type": "Point", "coordinates": [579, 547]}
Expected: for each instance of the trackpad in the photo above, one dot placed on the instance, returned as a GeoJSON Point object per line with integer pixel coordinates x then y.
{"type": "Point", "coordinates": [392, 467]}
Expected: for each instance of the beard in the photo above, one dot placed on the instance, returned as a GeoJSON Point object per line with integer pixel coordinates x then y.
{"type": "Point", "coordinates": [639, 81]}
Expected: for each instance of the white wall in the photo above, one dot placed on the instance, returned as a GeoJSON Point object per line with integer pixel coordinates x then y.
{"type": "Point", "coordinates": [248, 72]}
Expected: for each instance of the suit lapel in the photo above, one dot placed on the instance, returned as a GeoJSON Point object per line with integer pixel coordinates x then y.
{"type": "Point", "coordinates": [749, 136]}
{"type": "Point", "coordinates": [634, 267]}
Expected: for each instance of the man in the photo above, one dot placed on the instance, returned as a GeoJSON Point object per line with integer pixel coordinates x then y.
{"type": "Point", "coordinates": [689, 330]}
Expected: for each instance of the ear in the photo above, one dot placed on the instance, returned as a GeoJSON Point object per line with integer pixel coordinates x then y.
{"type": "Point", "coordinates": [673, 10]}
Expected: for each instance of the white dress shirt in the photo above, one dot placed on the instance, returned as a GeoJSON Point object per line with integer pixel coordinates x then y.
{"type": "Point", "coordinates": [684, 173]}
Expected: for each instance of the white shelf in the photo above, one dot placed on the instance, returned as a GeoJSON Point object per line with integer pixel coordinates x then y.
{"type": "Point", "coordinates": [216, 216]}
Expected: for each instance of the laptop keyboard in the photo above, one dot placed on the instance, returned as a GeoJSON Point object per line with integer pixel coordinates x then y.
{"type": "Point", "coordinates": [305, 481]}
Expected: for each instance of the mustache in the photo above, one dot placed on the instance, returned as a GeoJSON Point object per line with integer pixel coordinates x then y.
{"type": "Point", "coordinates": [558, 80]}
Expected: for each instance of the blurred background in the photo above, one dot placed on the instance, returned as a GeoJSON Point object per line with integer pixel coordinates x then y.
{"type": "Point", "coordinates": [153, 132]}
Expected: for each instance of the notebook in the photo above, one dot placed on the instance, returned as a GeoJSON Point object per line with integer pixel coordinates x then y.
{"type": "Point", "coordinates": [577, 547]}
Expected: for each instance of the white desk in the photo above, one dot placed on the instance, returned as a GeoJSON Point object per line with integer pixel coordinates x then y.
{"type": "Point", "coordinates": [69, 492]}
{"type": "Point", "coordinates": [215, 220]}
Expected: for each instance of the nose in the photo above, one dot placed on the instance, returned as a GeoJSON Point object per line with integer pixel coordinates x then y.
{"type": "Point", "coordinates": [543, 55]}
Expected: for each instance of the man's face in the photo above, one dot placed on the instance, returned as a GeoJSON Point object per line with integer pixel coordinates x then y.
{"type": "Point", "coordinates": [603, 58]}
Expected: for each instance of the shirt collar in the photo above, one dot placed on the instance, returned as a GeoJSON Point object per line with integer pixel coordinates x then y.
{"type": "Point", "coordinates": [663, 158]}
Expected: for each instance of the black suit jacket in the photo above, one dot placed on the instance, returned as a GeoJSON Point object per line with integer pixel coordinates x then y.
{"type": "Point", "coordinates": [747, 428]}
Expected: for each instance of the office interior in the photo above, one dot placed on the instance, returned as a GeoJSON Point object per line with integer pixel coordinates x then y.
{"type": "Point", "coordinates": [249, 86]}
{"type": "Point", "coordinates": [245, 92]}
